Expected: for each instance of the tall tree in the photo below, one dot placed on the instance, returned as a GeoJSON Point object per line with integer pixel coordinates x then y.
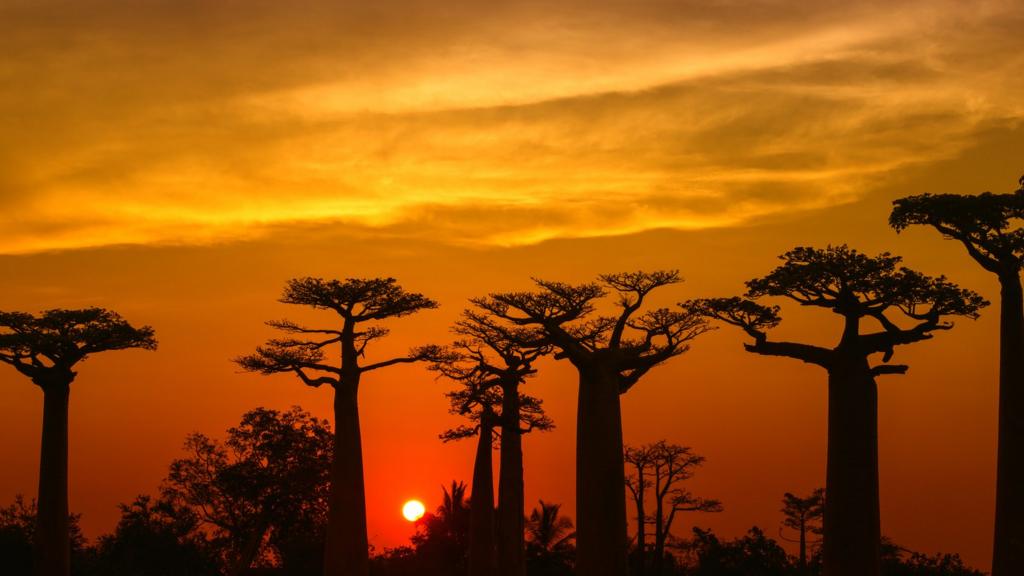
{"type": "Point", "coordinates": [477, 401]}
{"type": "Point", "coordinates": [46, 348]}
{"type": "Point", "coordinates": [860, 289]}
{"type": "Point", "coordinates": [503, 356]}
{"type": "Point", "coordinates": [989, 227]}
{"type": "Point", "coordinates": [804, 516]}
{"type": "Point", "coordinates": [258, 490]}
{"type": "Point", "coordinates": [658, 470]}
{"type": "Point", "coordinates": [611, 354]}
{"type": "Point", "coordinates": [356, 302]}
{"type": "Point", "coordinates": [491, 362]}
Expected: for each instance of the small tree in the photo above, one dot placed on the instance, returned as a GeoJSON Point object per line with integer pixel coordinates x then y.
{"type": "Point", "coordinates": [263, 487]}
{"type": "Point", "coordinates": [17, 534]}
{"type": "Point", "coordinates": [156, 538]}
{"type": "Point", "coordinates": [611, 354]}
{"type": "Point", "coordinates": [46, 348]}
{"type": "Point", "coordinates": [441, 542]}
{"type": "Point", "coordinates": [989, 227]}
{"type": "Point", "coordinates": [356, 302]}
{"type": "Point", "coordinates": [658, 470]}
{"type": "Point", "coordinates": [804, 516]}
{"type": "Point", "coordinates": [549, 541]}
{"type": "Point", "coordinates": [860, 289]}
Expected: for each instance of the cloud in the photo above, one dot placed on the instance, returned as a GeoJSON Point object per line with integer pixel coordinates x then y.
{"type": "Point", "coordinates": [507, 123]}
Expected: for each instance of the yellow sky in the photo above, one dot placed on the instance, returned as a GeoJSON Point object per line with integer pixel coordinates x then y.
{"type": "Point", "coordinates": [178, 161]}
{"type": "Point", "coordinates": [507, 123]}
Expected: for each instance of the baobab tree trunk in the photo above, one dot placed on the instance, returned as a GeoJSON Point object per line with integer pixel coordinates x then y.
{"type": "Point", "coordinates": [1008, 548]}
{"type": "Point", "coordinates": [852, 530]}
{"type": "Point", "coordinates": [347, 549]}
{"type": "Point", "coordinates": [481, 506]}
{"type": "Point", "coordinates": [601, 540]}
{"type": "Point", "coordinates": [511, 501]}
{"type": "Point", "coordinates": [52, 542]}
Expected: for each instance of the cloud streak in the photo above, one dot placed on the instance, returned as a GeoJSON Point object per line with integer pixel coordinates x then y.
{"type": "Point", "coordinates": [202, 122]}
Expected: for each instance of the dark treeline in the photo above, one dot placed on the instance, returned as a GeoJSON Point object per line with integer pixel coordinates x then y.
{"type": "Point", "coordinates": [285, 492]}
{"type": "Point", "coordinates": [256, 502]}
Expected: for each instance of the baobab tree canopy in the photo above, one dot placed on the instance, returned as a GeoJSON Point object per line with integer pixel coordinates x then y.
{"type": "Point", "coordinates": [356, 300]}
{"type": "Point", "coordinates": [632, 341]}
{"type": "Point", "coordinates": [988, 225]}
{"type": "Point", "coordinates": [56, 340]}
{"type": "Point", "coordinates": [855, 286]}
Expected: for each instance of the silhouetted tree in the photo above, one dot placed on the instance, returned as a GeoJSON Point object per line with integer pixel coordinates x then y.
{"type": "Point", "coordinates": [753, 554]}
{"type": "Point", "coordinates": [46, 348]}
{"type": "Point", "coordinates": [499, 358]}
{"type": "Point", "coordinates": [803, 515]}
{"type": "Point", "coordinates": [442, 538]}
{"type": "Point", "coordinates": [156, 538]}
{"type": "Point", "coordinates": [356, 302]}
{"type": "Point", "coordinates": [263, 491]}
{"type": "Point", "coordinates": [17, 534]}
{"type": "Point", "coordinates": [859, 289]}
{"type": "Point", "coordinates": [549, 541]}
{"type": "Point", "coordinates": [989, 227]}
{"type": "Point", "coordinates": [898, 561]}
{"type": "Point", "coordinates": [658, 469]}
{"type": "Point", "coordinates": [476, 400]}
{"type": "Point", "coordinates": [610, 353]}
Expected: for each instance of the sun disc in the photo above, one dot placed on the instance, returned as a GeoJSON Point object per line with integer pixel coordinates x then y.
{"type": "Point", "coordinates": [413, 510]}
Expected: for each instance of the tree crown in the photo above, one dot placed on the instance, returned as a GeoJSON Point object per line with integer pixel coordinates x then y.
{"type": "Point", "coordinates": [56, 340]}
{"type": "Point", "coordinates": [988, 225]}
{"type": "Point", "coordinates": [631, 341]}
{"type": "Point", "coordinates": [357, 299]}
{"type": "Point", "coordinates": [855, 286]}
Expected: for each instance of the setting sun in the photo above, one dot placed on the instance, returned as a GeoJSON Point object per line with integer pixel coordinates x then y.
{"type": "Point", "coordinates": [413, 510]}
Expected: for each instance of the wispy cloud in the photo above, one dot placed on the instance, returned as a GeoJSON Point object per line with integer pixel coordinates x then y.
{"type": "Point", "coordinates": [514, 123]}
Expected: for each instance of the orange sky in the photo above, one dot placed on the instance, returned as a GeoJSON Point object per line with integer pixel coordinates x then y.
{"type": "Point", "coordinates": [179, 162]}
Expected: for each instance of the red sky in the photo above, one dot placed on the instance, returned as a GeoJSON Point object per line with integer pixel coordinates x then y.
{"type": "Point", "coordinates": [179, 162]}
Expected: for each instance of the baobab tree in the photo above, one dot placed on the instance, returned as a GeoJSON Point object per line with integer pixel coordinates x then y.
{"type": "Point", "coordinates": [610, 354]}
{"type": "Point", "coordinates": [359, 304]}
{"type": "Point", "coordinates": [989, 227]}
{"type": "Point", "coordinates": [492, 361]}
{"type": "Point", "coordinates": [860, 289]}
{"type": "Point", "coordinates": [658, 470]}
{"type": "Point", "coordinates": [476, 401]}
{"type": "Point", "coordinates": [804, 516]}
{"type": "Point", "coordinates": [46, 348]}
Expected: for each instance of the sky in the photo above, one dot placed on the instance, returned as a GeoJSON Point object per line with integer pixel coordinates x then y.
{"type": "Point", "coordinates": [179, 161]}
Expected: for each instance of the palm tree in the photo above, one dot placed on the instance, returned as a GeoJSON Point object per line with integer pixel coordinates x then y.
{"type": "Point", "coordinates": [549, 541]}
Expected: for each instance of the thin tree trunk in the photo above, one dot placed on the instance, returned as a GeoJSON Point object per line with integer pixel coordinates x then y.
{"type": "Point", "coordinates": [601, 539]}
{"type": "Point", "coordinates": [641, 526]}
{"type": "Point", "coordinates": [659, 531]}
{"type": "Point", "coordinates": [803, 547]}
{"type": "Point", "coordinates": [511, 501]}
{"type": "Point", "coordinates": [481, 506]}
{"type": "Point", "coordinates": [1008, 549]}
{"type": "Point", "coordinates": [347, 549]}
{"type": "Point", "coordinates": [852, 530]}
{"type": "Point", "coordinates": [52, 540]}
